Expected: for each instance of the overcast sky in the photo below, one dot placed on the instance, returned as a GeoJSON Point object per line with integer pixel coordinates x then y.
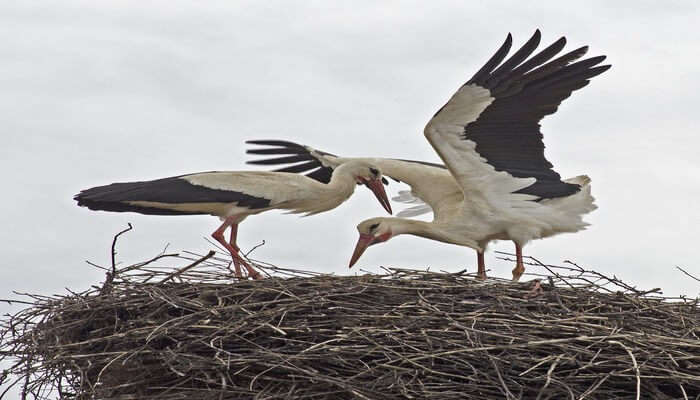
{"type": "Point", "coordinates": [97, 92]}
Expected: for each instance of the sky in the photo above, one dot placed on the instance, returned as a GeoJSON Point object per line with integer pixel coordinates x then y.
{"type": "Point", "coordinates": [98, 92]}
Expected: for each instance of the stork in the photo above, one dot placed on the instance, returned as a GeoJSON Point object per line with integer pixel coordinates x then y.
{"type": "Point", "coordinates": [496, 183]}
{"type": "Point", "coordinates": [235, 195]}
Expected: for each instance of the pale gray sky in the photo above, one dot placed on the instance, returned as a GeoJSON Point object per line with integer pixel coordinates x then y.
{"type": "Point", "coordinates": [97, 92]}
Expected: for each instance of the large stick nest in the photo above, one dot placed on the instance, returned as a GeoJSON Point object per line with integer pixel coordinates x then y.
{"type": "Point", "coordinates": [151, 333]}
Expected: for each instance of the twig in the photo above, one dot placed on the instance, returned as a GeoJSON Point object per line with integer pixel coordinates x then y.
{"type": "Point", "coordinates": [687, 273]}
{"type": "Point", "coordinates": [114, 244]}
{"type": "Point", "coordinates": [254, 248]}
{"type": "Point", "coordinates": [549, 376]}
{"type": "Point", "coordinates": [188, 267]}
{"type": "Point", "coordinates": [634, 362]}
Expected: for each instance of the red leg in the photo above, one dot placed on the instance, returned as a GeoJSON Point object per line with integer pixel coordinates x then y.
{"type": "Point", "coordinates": [519, 266]}
{"type": "Point", "coordinates": [251, 271]}
{"type": "Point", "coordinates": [481, 273]}
{"type": "Point", "coordinates": [233, 249]}
{"type": "Point", "coordinates": [232, 242]}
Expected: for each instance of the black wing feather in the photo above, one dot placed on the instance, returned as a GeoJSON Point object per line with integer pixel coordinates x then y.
{"type": "Point", "coordinates": [507, 133]}
{"type": "Point", "coordinates": [496, 59]}
{"type": "Point", "coordinates": [276, 150]}
{"type": "Point", "coordinates": [318, 172]}
{"type": "Point", "coordinates": [322, 174]}
{"type": "Point", "coordinates": [515, 59]}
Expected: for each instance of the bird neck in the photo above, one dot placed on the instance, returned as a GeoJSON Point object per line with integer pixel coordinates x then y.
{"type": "Point", "coordinates": [429, 230]}
{"type": "Point", "coordinates": [404, 226]}
{"type": "Point", "coordinates": [329, 196]}
{"type": "Point", "coordinates": [342, 181]}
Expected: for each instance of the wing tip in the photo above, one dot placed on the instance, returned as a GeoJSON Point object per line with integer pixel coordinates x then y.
{"type": "Point", "coordinates": [508, 41]}
{"type": "Point", "coordinates": [600, 69]}
{"type": "Point", "coordinates": [581, 51]}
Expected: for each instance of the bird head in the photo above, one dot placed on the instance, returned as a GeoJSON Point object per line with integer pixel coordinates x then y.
{"type": "Point", "coordinates": [370, 176]}
{"type": "Point", "coordinates": [372, 231]}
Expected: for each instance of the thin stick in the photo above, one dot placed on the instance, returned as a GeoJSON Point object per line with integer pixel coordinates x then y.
{"type": "Point", "coordinates": [114, 250]}
{"type": "Point", "coordinates": [188, 267]}
{"type": "Point", "coordinates": [254, 248]}
{"type": "Point", "coordinates": [634, 362]}
{"type": "Point", "coordinates": [686, 272]}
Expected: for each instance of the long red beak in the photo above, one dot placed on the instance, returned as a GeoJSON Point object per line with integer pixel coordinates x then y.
{"type": "Point", "coordinates": [362, 244]}
{"type": "Point", "coordinates": [376, 186]}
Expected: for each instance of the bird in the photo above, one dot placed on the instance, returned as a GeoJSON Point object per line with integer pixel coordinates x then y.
{"type": "Point", "coordinates": [495, 183]}
{"type": "Point", "coordinates": [234, 195]}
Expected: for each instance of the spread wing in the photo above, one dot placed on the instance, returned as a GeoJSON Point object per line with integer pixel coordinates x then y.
{"type": "Point", "coordinates": [488, 133]}
{"type": "Point", "coordinates": [302, 158]}
{"type": "Point", "coordinates": [430, 183]}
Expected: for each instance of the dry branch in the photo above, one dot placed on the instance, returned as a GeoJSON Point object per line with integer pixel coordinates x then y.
{"type": "Point", "coordinates": [404, 334]}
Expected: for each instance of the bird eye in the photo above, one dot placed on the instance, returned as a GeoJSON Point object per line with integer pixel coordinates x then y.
{"type": "Point", "coordinates": [374, 171]}
{"type": "Point", "coordinates": [373, 227]}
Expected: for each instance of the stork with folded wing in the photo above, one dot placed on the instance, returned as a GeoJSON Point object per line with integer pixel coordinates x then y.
{"type": "Point", "coordinates": [233, 196]}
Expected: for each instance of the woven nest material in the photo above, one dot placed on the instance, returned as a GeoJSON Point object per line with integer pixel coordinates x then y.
{"type": "Point", "coordinates": [151, 333]}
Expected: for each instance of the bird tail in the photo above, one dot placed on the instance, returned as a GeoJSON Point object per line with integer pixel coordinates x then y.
{"type": "Point", "coordinates": [579, 203]}
{"type": "Point", "coordinates": [580, 180]}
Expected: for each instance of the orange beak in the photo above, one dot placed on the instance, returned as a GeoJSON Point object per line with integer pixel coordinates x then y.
{"type": "Point", "coordinates": [376, 186]}
{"type": "Point", "coordinates": [362, 244]}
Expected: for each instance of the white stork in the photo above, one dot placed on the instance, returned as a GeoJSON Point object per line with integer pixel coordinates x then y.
{"type": "Point", "coordinates": [497, 183]}
{"type": "Point", "coordinates": [233, 196]}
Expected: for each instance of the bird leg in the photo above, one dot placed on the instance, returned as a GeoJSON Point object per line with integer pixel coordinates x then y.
{"type": "Point", "coordinates": [232, 242]}
{"type": "Point", "coordinates": [519, 266]}
{"type": "Point", "coordinates": [236, 262]}
{"type": "Point", "coordinates": [481, 273]}
{"type": "Point", "coordinates": [233, 249]}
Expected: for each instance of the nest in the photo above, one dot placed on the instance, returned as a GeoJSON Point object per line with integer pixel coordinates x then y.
{"type": "Point", "coordinates": [194, 333]}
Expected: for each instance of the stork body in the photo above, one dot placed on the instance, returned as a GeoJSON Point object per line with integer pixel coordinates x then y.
{"type": "Point", "coordinates": [496, 183]}
{"type": "Point", "coordinates": [235, 195]}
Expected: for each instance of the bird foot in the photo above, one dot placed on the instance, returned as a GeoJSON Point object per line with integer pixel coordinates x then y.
{"type": "Point", "coordinates": [255, 275]}
{"type": "Point", "coordinates": [518, 271]}
{"type": "Point", "coordinates": [252, 273]}
{"type": "Point", "coordinates": [237, 259]}
{"type": "Point", "coordinates": [237, 271]}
